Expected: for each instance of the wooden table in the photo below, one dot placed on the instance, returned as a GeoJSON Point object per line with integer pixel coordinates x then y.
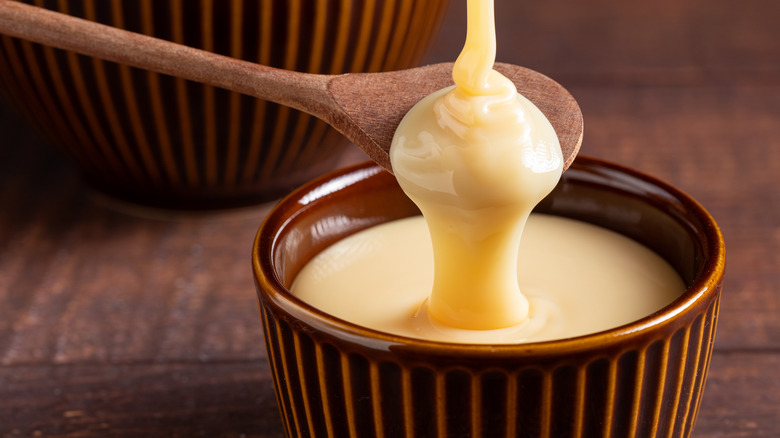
{"type": "Point", "coordinates": [128, 324]}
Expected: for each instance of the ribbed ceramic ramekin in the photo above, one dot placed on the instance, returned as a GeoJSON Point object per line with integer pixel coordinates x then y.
{"type": "Point", "coordinates": [163, 141]}
{"type": "Point", "coordinates": [645, 379]}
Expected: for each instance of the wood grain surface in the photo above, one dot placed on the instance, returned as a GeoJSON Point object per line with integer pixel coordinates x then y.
{"type": "Point", "coordinates": [119, 321]}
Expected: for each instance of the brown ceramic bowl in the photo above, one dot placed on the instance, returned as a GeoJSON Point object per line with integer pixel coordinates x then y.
{"type": "Point", "coordinates": [161, 141]}
{"type": "Point", "coordinates": [644, 379]}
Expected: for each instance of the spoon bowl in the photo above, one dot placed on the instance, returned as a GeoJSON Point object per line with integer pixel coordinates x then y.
{"type": "Point", "coordinates": [365, 107]}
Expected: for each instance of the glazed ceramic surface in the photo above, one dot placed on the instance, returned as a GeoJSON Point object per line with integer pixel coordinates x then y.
{"type": "Point", "coordinates": [167, 142]}
{"type": "Point", "coordinates": [644, 379]}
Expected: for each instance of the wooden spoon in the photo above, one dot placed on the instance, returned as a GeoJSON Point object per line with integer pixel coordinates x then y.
{"type": "Point", "coordinates": [365, 107]}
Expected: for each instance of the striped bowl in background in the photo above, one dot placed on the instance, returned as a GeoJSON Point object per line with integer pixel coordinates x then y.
{"type": "Point", "coordinates": [645, 379]}
{"type": "Point", "coordinates": [162, 141]}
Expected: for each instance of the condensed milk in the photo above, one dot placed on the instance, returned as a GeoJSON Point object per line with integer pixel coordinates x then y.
{"type": "Point", "coordinates": [476, 158]}
{"type": "Point", "coordinates": [578, 279]}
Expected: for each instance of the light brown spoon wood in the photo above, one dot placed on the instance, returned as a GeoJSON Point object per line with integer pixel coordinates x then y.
{"type": "Point", "coordinates": [365, 107]}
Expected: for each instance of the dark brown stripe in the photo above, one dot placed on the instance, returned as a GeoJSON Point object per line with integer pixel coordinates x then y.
{"type": "Point", "coordinates": [210, 159]}
{"type": "Point", "coordinates": [135, 120]}
{"type": "Point", "coordinates": [272, 349]}
{"type": "Point", "coordinates": [385, 27]}
{"type": "Point", "coordinates": [290, 377]}
{"type": "Point", "coordinates": [363, 38]}
{"type": "Point", "coordinates": [234, 107]}
{"type": "Point", "coordinates": [187, 143]}
{"type": "Point", "coordinates": [262, 129]}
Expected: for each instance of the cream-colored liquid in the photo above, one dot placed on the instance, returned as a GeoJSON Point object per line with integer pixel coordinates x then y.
{"type": "Point", "coordinates": [578, 279]}
{"type": "Point", "coordinates": [476, 158]}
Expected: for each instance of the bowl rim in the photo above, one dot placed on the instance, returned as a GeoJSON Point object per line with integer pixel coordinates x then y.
{"type": "Point", "coordinates": [270, 290]}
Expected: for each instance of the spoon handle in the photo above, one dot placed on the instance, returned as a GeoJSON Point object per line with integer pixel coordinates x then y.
{"type": "Point", "coordinates": [303, 91]}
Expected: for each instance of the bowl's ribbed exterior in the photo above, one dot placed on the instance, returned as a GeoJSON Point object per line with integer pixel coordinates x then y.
{"type": "Point", "coordinates": [644, 379]}
{"type": "Point", "coordinates": [168, 141]}
{"type": "Point", "coordinates": [641, 388]}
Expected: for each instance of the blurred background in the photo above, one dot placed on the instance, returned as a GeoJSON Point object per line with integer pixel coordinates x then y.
{"type": "Point", "coordinates": [125, 321]}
